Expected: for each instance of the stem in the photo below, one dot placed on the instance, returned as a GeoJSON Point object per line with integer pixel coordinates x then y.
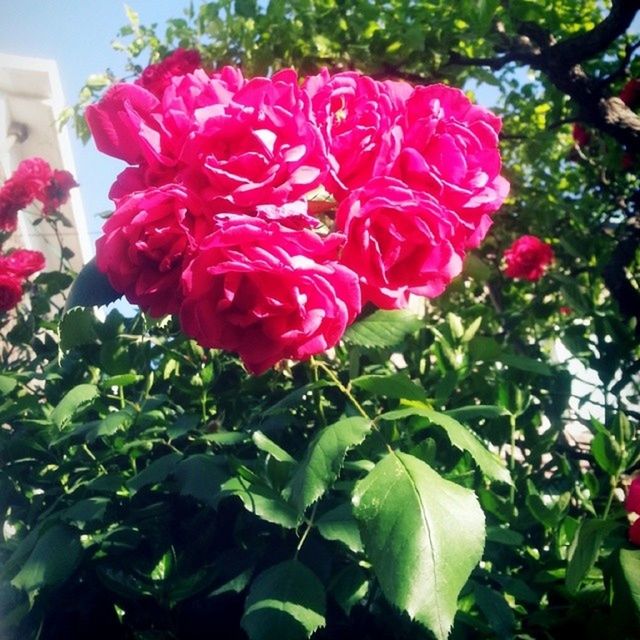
{"type": "Point", "coordinates": [317, 397]}
{"type": "Point", "coordinates": [88, 451]}
{"type": "Point", "coordinates": [303, 538]}
{"type": "Point", "coordinates": [512, 458]}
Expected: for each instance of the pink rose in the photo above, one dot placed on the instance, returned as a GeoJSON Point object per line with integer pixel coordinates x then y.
{"type": "Point", "coordinates": [56, 192]}
{"type": "Point", "coordinates": [268, 293]}
{"type": "Point", "coordinates": [14, 196]}
{"type": "Point", "coordinates": [125, 123]}
{"type": "Point", "coordinates": [147, 242]}
{"type": "Point", "coordinates": [356, 115]}
{"type": "Point", "coordinates": [450, 149]}
{"type": "Point", "coordinates": [156, 77]}
{"type": "Point", "coordinates": [34, 174]}
{"type": "Point", "coordinates": [22, 263]}
{"type": "Point", "coordinates": [632, 502]}
{"type": "Point", "coordinates": [399, 241]}
{"type": "Point", "coordinates": [528, 258]}
{"type": "Point", "coordinates": [10, 291]}
{"type": "Point", "coordinates": [260, 148]}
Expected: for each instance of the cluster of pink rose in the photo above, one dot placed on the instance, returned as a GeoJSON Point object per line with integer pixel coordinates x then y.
{"type": "Point", "coordinates": [265, 212]}
{"type": "Point", "coordinates": [34, 179]}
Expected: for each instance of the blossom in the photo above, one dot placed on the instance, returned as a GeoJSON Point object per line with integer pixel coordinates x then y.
{"type": "Point", "coordinates": [356, 115]}
{"type": "Point", "coordinates": [56, 191]}
{"type": "Point", "coordinates": [399, 241]}
{"type": "Point", "coordinates": [527, 258]}
{"type": "Point", "coordinates": [10, 291]}
{"type": "Point", "coordinates": [14, 196]}
{"type": "Point", "coordinates": [146, 244]}
{"type": "Point", "coordinates": [268, 292]}
{"type": "Point", "coordinates": [630, 93]}
{"type": "Point", "coordinates": [34, 174]}
{"type": "Point", "coordinates": [632, 502]}
{"type": "Point", "coordinates": [156, 77]}
{"type": "Point", "coordinates": [581, 135]}
{"type": "Point", "coordinates": [21, 263]}
{"type": "Point", "coordinates": [450, 150]}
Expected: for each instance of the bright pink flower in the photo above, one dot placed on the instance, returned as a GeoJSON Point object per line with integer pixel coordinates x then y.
{"type": "Point", "coordinates": [356, 115]}
{"type": "Point", "coordinates": [147, 243]}
{"type": "Point", "coordinates": [125, 123]}
{"type": "Point", "coordinates": [634, 532]}
{"type": "Point", "coordinates": [156, 77]}
{"type": "Point", "coordinates": [632, 503]}
{"type": "Point", "coordinates": [565, 311]}
{"type": "Point", "coordinates": [581, 136]}
{"type": "Point", "coordinates": [14, 196]}
{"type": "Point", "coordinates": [22, 263]}
{"type": "Point", "coordinates": [450, 149]}
{"type": "Point", "coordinates": [34, 174]}
{"type": "Point", "coordinates": [268, 293]}
{"type": "Point", "coordinates": [527, 258]}
{"type": "Point", "coordinates": [630, 93]}
{"type": "Point", "coordinates": [10, 291]}
{"type": "Point", "coordinates": [399, 241]}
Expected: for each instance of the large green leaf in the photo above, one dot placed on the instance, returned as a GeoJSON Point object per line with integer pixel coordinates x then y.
{"type": "Point", "coordinates": [460, 437]}
{"type": "Point", "coordinates": [423, 535]}
{"type": "Point", "coordinates": [73, 402]}
{"type": "Point", "coordinates": [584, 550]}
{"type": "Point", "coordinates": [630, 563]}
{"type": "Point", "coordinates": [394, 385]}
{"type": "Point", "coordinates": [77, 328]}
{"type": "Point", "coordinates": [339, 524]}
{"type": "Point", "coordinates": [324, 458]}
{"type": "Point", "coordinates": [383, 328]}
{"type": "Point", "coordinates": [286, 601]}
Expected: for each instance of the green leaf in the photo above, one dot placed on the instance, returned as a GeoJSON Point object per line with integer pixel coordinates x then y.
{"type": "Point", "coordinates": [7, 385]}
{"type": "Point", "coordinates": [584, 550]}
{"type": "Point", "coordinates": [86, 510]}
{"type": "Point", "coordinates": [383, 328]}
{"type": "Point", "coordinates": [394, 385]}
{"type": "Point", "coordinates": [477, 411]}
{"type": "Point", "coordinates": [156, 472]}
{"type": "Point", "coordinates": [262, 501]}
{"type": "Point", "coordinates": [201, 476]}
{"type": "Point", "coordinates": [122, 380]}
{"type": "Point", "coordinates": [285, 601]}
{"type": "Point", "coordinates": [339, 524]}
{"type": "Point", "coordinates": [269, 446]}
{"type": "Point", "coordinates": [73, 402]}
{"type": "Point", "coordinates": [77, 328]}
{"type": "Point", "coordinates": [526, 364]}
{"type": "Point", "coordinates": [324, 458]}
{"type": "Point", "coordinates": [460, 437]}
{"type": "Point", "coordinates": [607, 452]}
{"type": "Point", "coordinates": [350, 587]}
{"type": "Point", "coordinates": [53, 559]}
{"type": "Point", "coordinates": [423, 535]}
{"type": "Point", "coordinates": [496, 610]}
{"type": "Point", "coordinates": [630, 563]}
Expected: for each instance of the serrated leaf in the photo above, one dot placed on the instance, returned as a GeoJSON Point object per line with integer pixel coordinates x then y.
{"type": "Point", "coordinates": [460, 437]}
{"type": "Point", "coordinates": [350, 587]}
{"type": "Point", "coordinates": [383, 328]}
{"type": "Point", "coordinates": [584, 550]}
{"type": "Point", "coordinates": [201, 476]}
{"type": "Point", "coordinates": [423, 535]}
{"type": "Point", "coordinates": [393, 385]}
{"type": "Point", "coordinates": [285, 601]}
{"type": "Point", "coordinates": [324, 459]}
{"type": "Point", "coordinates": [77, 328]}
{"type": "Point", "coordinates": [73, 402]}
{"type": "Point", "coordinates": [339, 524]}
{"type": "Point", "coordinates": [269, 446]}
{"type": "Point", "coordinates": [262, 501]}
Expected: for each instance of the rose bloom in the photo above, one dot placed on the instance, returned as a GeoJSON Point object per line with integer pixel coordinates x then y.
{"type": "Point", "coordinates": [630, 93]}
{"type": "Point", "coordinates": [34, 174]}
{"type": "Point", "coordinates": [632, 502]}
{"type": "Point", "coordinates": [10, 291]}
{"type": "Point", "coordinates": [356, 115]}
{"type": "Point", "coordinates": [146, 244]}
{"type": "Point", "coordinates": [56, 192]}
{"type": "Point", "coordinates": [581, 136]}
{"type": "Point", "coordinates": [268, 293]}
{"type": "Point", "coordinates": [450, 149]}
{"type": "Point", "coordinates": [399, 241]}
{"type": "Point", "coordinates": [14, 196]}
{"type": "Point", "coordinates": [527, 258]}
{"type": "Point", "coordinates": [156, 77]}
{"type": "Point", "coordinates": [22, 263]}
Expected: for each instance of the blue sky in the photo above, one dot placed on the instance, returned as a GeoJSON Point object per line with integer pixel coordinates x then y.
{"type": "Point", "coordinates": [77, 34]}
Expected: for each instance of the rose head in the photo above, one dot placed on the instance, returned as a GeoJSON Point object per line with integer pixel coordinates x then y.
{"type": "Point", "coordinates": [268, 293]}
{"type": "Point", "coordinates": [14, 196]}
{"type": "Point", "coordinates": [399, 241]}
{"type": "Point", "coordinates": [450, 149]}
{"type": "Point", "coordinates": [356, 115]}
{"type": "Point", "coordinates": [632, 502]}
{"type": "Point", "coordinates": [56, 192]}
{"type": "Point", "coordinates": [10, 291]}
{"type": "Point", "coordinates": [156, 77]}
{"type": "Point", "coordinates": [630, 93]}
{"type": "Point", "coordinates": [21, 263]}
{"type": "Point", "coordinates": [581, 136]}
{"type": "Point", "coordinates": [147, 243]}
{"type": "Point", "coordinates": [34, 174]}
{"type": "Point", "coordinates": [527, 258]}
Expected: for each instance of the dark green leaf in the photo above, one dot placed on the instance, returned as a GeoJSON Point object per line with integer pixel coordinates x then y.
{"type": "Point", "coordinates": [394, 385]}
{"type": "Point", "coordinates": [383, 328]}
{"type": "Point", "coordinates": [77, 328]}
{"type": "Point", "coordinates": [73, 403]}
{"type": "Point", "coordinates": [339, 524]}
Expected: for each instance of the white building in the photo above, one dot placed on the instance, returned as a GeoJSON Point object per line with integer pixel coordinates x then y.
{"type": "Point", "coordinates": [30, 101]}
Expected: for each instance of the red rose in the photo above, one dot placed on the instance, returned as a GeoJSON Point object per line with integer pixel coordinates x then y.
{"type": "Point", "coordinates": [34, 174]}
{"type": "Point", "coordinates": [146, 245]}
{"type": "Point", "coordinates": [632, 502]}
{"type": "Point", "coordinates": [527, 258]}
{"type": "Point", "coordinates": [399, 241]}
{"type": "Point", "coordinates": [10, 291]}
{"type": "Point", "coordinates": [630, 93]}
{"type": "Point", "coordinates": [21, 263]}
{"type": "Point", "coordinates": [14, 196]}
{"type": "Point", "coordinates": [268, 293]}
{"type": "Point", "coordinates": [156, 77]}
{"type": "Point", "coordinates": [56, 192]}
{"type": "Point", "coordinates": [581, 136]}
